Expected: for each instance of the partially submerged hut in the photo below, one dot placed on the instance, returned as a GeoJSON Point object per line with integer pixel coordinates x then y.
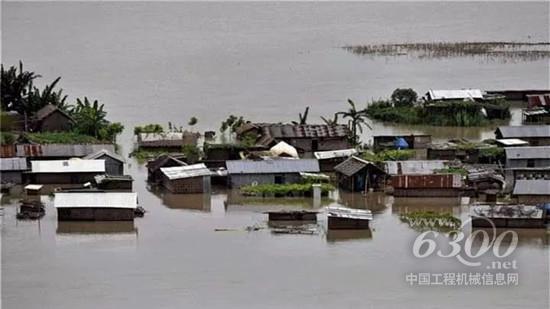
{"type": "Point", "coordinates": [73, 171]}
{"type": "Point", "coordinates": [329, 159]}
{"type": "Point", "coordinates": [114, 182]}
{"type": "Point", "coordinates": [154, 173]}
{"type": "Point", "coordinates": [413, 141]}
{"type": "Point", "coordinates": [435, 185]}
{"type": "Point", "coordinates": [269, 171]}
{"type": "Point", "coordinates": [12, 170]}
{"type": "Point", "coordinates": [506, 216]}
{"type": "Point", "coordinates": [167, 140]}
{"type": "Point", "coordinates": [414, 167]}
{"type": "Point", "coordinates": [532, 191]}
{"type": "Point", "coordinates": [536, 135]}
{"type": "Point", "coordinates": [306, 139]}
{"type": "Point", "coordinates": [358, 175]}
{"type": "Point", "coordinates": [96, 206]}
{"type": "Point", "coordinates": [454, 95]}
{"type": "Point", "coordinates": [187, 179]}
{"type": "Point", "coordinates": [114, 163]}
{"type": "Point", "coordinates": [50, 118]}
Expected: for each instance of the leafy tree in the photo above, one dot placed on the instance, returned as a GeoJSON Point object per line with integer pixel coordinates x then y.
{"type": "Point", "coordinates": [38, 99]}
{"type": "Point", "coordinates": [89, 117]}
{"type": "Point", "coordinates": [357, 120]}
{"type": "Point", "coordinates": [111, 131]}
{"type": "Point", "coordinates": [404, 97]}
{"type": "Point", "coordinates": [232, 123]}
{"type": "Point", "coordinates": [15, 86]}
{"type": "Point", "coordinates": [151, 128]}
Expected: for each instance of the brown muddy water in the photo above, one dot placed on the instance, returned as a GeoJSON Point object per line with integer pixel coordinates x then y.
{"type": "Point", "coordinates": [160, 62]}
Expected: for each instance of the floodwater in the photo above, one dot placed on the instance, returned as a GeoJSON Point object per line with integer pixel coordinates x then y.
{"type": "Point", "coordinates": [159, 62]}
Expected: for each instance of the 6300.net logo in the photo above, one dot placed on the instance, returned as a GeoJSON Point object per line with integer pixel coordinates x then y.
{"type": "Point", "coordinates": [469, 249]}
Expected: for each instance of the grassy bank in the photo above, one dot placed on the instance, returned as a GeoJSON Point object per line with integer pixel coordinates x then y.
{"type": "Point", "coordinates": [61, 138]}
{"type": "Point", "coordinates": [459, 113]}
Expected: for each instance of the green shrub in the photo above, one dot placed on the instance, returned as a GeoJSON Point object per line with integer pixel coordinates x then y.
{"type": "Point", "coordinates": [296, 189]}
{"type": "Point", "coordinates": [61, 138]}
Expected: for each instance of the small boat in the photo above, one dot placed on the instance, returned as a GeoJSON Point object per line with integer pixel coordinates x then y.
{"type": "Point", "coordinates": [292, 215]}
{"type": "Point", "coordinates": [31, 210]}
{"type": "Point", "coordinates": [343, 218]}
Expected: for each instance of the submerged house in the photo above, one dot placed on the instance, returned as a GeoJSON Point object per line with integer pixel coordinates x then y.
{"type": "Point", "coordinates": [11, 170]}
{"type": "Point", "coordinates": [532, 191]}
{"type": "Point", "coordinates": [527, 162]}
{"type": "Point", "coordinates": [434, 185]}
{"type": "Point", "coordinates": [154, 173]}
{"type": "Point", "coordinates": [419, 141]}
{"type": "Point", "coordinates": [269, 171]}
{"type": "Point", "coordinates": [60, 151]}
{"type": "Point", "coordinates": [536, 135]}
{"type": "Point", "coordinates": [96, 206]}
{"type": "Point", "coordinates": [73, 171]}
{"type": "Point", "coordinates": [50, 118]}
{"type": "Point", "coordinates": [114, 164]}
{"type": "Point", "coordinates": [358, 175]}
{"type": "Point", "coordinates": [454, 95]}
{"type": "Point", "coordinates": [306, 138]}
{"type": "Point", "coordinates": [114, 182]}
{"type": "Point", "coordinates": [167, 140]}
{"type": "Point", "coordinates": [329, 159]}
{"type": "Point", "coordinates": [186, 179]}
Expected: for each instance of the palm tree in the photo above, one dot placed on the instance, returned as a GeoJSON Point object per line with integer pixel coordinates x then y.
{"type": "Point", "coordinates": [357, 119]}
{"type": "Point", "coordinates": [302, 117]}
{"type": "Point", "coordinates": [331, 122]}
{"type": "Point", "coordinates": [15, 86]}
{"type": "Point", "coordinates": [89, 117]}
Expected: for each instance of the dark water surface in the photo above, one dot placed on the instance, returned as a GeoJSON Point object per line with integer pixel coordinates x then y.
{"type": "Point", "coordinates": [160, 62]}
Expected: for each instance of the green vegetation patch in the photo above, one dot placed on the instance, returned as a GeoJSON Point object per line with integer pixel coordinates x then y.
{"type": "Point", "coordinates": [61, 138]}
{"type": "Point", "coordinates": [297, 189]}
{"type": "Point", "coordinates": [389, 155]}
{"type": "Point", "coordinates": [431, 221]}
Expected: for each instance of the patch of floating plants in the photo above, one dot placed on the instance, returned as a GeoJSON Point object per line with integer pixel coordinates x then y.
{"type": "Point", "coordinates": [519, 51]}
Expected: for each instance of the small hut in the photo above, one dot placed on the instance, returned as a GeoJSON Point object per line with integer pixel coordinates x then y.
{"type": "Point", "coordinates": [96, 206]}
{"type": "Point", "coordinates": [186, 179]}
{"type": "Point", "coordinates": [356, 175]}
{"type": "Point", "coordinates": [532, 191]}
{"type": "Point", "coordinates": [154, 166]}
{"type": "Point", "coordinates": [114, 164]}
{"type": "Point", "coordinates": [50, 118]}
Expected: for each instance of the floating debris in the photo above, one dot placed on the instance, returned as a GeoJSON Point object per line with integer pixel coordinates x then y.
{"type": "Point", "coordinates": [431, 221]}
{"type": "Point", "coordinates": [522, 51]}
{"type": "Point", "coordinates": [139, 212]}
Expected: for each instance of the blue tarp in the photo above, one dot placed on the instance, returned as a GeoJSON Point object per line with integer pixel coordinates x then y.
{"type": "Point", "coordinates": [400, 143]}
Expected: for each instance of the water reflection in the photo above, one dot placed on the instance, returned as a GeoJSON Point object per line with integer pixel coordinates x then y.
{"type": "Point", "coordinates": [347, 235]}
{"type": "Point", "coordinates": [96, 227]}
{"type": "Point", "coordinates": [377, 202]}
{"type": "Point", "coordinates": [193, 201]}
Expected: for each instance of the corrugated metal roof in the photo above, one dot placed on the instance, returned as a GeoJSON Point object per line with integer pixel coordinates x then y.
{"type": "Point", "coordinates": [528, 152]}
{"type": "Point", "coordinates": [524, 131]}
{"type": "Point", "coordinates": [349, 213]}
{"type": "Point", "coordinates": [13, 164]}
{"type": "Point", "coordinates": [179, 172]}
{"type": "Point", "coordinates": [166, 136]}
{"type": "Point", "coordinates": [279, 131]}
{"type": "Point", "coordinates": [413, 167]}
{"type": "Point", "coordinates": [331, 154]}
{"type": "Point", "coordinates": [68, 166]}
{"type": "Point", "coordinates": [272, 166]}
{"type": "Point", "coordinates": [95, 200]}
{"type": "Point", "coordinates": [506, 211]}
{"type": "Point", "coordinates": [532, 187]}
{"type": "Point", "coordinates": [61, 150]}
{"type": "Point", "coordinates": [108, 178]}
{"type": "Point", "coordinates": [512, 142]}
{"type": "Point", "coordinates": [536, 100]}
{"type": "Point", "coordinates": [352, 166]}
{"type": "Point", "coordinates": [102, 152]}
{"type": "Point", "coordinates": [455, 94]}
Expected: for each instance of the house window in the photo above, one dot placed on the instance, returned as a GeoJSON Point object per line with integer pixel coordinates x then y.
{"type": "Point", "coordinates": [279, 179]}
{"type": "Point", "coordinates": [531, 163]}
